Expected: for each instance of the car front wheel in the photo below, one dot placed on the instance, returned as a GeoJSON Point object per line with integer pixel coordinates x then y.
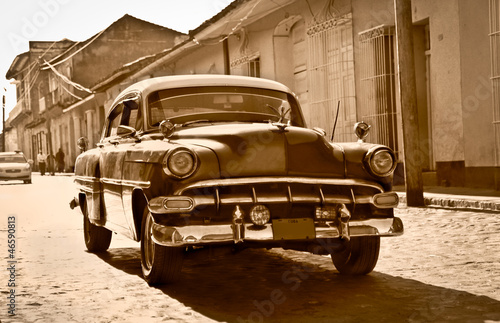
{"type": "Point", "coordinates": [160, 264]}
{"type": "Point", "coordinates": [97, 239]}
{"type": "Point", "coordinates": [359, 256]}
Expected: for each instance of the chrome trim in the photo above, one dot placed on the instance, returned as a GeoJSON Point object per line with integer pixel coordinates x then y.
{"type": "Point", "coordinates": [86, 178]}
{"type": "Point", "coordinates": [272, 180]}
{"type": "Point", "coordinates": [171, 153]}
{"type": "Point", "coordinates": [385, 206]}
{"type": "Point", "coordinates": [227, 234]}
{"type": "Point", "coordinates": [369, 155]}
{"type": "Point", "coordinates": [88, 184]}
{"type": "Point", "coordinates": [320, 199]}
{"type": "Point", "coordinates": [157, 205]}
{"type": "Point", "coordinates": [343, 217]}
{"type": "Point", "coordinates": [125, 182]}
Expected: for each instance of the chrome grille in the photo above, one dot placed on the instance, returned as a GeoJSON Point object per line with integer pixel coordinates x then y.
{"type": "Point", "coordinates": [286, 197]}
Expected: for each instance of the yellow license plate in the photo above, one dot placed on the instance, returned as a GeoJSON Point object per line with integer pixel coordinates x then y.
{"type": "Point", "coordinates": [293, 229]}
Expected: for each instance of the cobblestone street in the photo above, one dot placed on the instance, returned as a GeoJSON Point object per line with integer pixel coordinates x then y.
{"type": "Point", "coordinates": [445, 268]}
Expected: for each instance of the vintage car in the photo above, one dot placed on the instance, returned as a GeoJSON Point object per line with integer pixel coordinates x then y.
{"type": "Point", "coordinates": [197, 163]}
{"type": "Point", "coordinates": [14, 166]}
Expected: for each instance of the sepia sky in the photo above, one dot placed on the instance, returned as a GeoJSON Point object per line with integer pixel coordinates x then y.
{"type": "Point", "coordinates": [52, 20]}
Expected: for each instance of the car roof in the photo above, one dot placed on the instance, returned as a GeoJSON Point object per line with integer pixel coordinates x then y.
{"type": "Point", "coordinates": [11, 153]}
{"type": "Point", "coordinates": [179, 81]}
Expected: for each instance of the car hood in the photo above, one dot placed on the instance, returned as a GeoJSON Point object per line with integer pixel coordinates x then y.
{"type": "Point", "coordinates": [262, 149]}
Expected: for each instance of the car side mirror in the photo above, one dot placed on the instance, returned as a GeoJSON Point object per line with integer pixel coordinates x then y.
{"type": "Point", "coordinates": [126, 131]}
{"type": "Point", "coordinates": [361, 130]}
{"type": "Point", "coordinates": [167, 128]}
{"type": "Point", "coordinates": [82, 143]}
{"type": "Point", "coordinates": [31, 162]}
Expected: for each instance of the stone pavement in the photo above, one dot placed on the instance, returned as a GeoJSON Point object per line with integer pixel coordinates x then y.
{"type": "Point", "coordinates": [464, 198]}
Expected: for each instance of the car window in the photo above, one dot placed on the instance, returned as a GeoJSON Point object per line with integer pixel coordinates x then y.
{"type": "Point", "coordinates": [12, 159]}
{"type": "Point", "coordinates": [211, 102]}
{"type": "Point", "coordinates": [127, 113]}
{"type": "Point", "coordinates": [114, 120]}
{"type": "Point", "coordinates": [131, 114]}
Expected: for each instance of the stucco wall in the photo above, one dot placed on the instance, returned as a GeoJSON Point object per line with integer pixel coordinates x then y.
{"type": "Point", "coordinates": [11, 140]}
{"type": "Point", "coordinates": [445, 77]}
{"type": "Point", "coordinates": [204, 60]}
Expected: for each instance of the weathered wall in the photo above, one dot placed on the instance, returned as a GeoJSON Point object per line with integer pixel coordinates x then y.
{"type": "Point", "coordinates": [479, 139]}
{"type": "Point", "coordinates": [125, 41]}
{"type": "Point", "coordinates": [445, 77]}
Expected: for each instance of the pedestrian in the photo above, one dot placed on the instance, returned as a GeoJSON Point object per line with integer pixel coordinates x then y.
{"type": "Point", "coordinates": [41, 159]}
{"type": "Point", "coordinates": [60, 160]}
{"type": "Point", "coordinates": [51, 164]}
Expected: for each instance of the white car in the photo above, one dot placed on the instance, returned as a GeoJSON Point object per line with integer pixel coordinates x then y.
{"type": "Point", "coordinates": [14, 166]}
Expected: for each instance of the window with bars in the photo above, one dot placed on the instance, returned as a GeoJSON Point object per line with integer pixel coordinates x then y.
{"type": "Point", "coordinates": [495, 71]}
{"type": "Point", "coordinates": [378, 84]}
{"type": "Point", "coordinates": [331, 78]}
{"type": "Point", "coordinates": [248, 65]}
{"type": "Point", "coordinates": [254, 67]}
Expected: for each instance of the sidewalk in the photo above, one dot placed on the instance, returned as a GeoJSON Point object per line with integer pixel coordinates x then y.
{"type": "Point", "coordinates": [457, 197]}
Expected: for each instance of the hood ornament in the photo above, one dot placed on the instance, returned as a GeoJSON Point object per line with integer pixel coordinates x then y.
{"type": "Point", "coordinates": [281, 126]}
{"type": "Point", "coordinates": [282, 112]}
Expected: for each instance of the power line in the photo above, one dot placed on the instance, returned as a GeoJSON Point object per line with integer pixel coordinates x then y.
{"type": "Point", "coordinates": [68, 81]}
{"type": "Point", "coordinates": [77, 51]}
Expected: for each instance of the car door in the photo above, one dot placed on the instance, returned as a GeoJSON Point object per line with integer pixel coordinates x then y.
{"type": "Point", "coordinates": [114, 147]}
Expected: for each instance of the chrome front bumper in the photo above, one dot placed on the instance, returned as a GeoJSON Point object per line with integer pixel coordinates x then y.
{"type": "Point", "coordinates": [233, 233]}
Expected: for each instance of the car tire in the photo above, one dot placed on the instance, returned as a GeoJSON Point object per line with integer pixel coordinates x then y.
{"type": "Point", "coordinates": [97, 239]}
{"type": "Point", "coordinates": [27, 181]}
{"type": "Point", "coordinates": [359, 256]}
{"type": "Point", "coordinates": [160, 264]}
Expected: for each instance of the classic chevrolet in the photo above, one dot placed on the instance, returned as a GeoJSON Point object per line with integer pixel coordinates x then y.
{"type": "Point", "coordinates": [197, 163]}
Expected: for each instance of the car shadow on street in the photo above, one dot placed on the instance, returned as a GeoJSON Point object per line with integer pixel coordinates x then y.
{"type": "Point", "coordinates": [264, 286]}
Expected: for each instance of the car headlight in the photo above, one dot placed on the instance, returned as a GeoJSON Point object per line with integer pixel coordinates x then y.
{"type": "Point", "coordinates": [27, 167]}
{"type": "Point", "coordinates": [180, 163]}
{"type": "Point", "coordinates": [381, 162]}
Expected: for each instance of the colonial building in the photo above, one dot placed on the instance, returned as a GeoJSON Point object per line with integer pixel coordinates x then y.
{"type": "Point", "coordinates": [340, 58]}
{"type": "Point", "coordinates": [55, 77]}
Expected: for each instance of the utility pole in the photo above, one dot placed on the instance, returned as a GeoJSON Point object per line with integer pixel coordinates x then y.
{"type": "Point", "coordinates": [408, 91]}
{"type": "Point", "coordinates": [3, 122]}
{"type": "Point", "coordinates": [225, 52]}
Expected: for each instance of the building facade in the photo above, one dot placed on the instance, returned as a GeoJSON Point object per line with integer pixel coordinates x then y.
{"type": "Point", "coordinates": [340, 58]}
{"type": "Point", "coordinates": [54, 78]}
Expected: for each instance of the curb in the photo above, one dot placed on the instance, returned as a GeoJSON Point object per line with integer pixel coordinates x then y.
{"type": "Point", "coordinates": [457, 203]}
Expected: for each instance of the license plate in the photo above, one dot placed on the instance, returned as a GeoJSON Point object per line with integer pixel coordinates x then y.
{"type": "Point", "coordinates": [13, 171]}
{"type": "Point", "coordinates": [293, 229]}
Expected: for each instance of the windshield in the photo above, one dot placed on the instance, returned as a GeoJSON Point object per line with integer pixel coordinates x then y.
{"type": "Point", "coordinates": [12, 159]}
{"type": "Point", "coordinates": [222, 104]}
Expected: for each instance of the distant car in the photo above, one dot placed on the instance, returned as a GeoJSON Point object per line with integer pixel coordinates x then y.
{"type": "Point", "coordinates": [14, 166]}
{"type": "Point", "coordinates": [208, 163]}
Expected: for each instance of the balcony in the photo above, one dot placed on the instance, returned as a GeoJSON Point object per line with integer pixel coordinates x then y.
{"type": "Point", "coordinates": [19, 112]}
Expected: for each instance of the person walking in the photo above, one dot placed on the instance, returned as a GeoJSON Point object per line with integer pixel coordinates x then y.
{"type": "Point", "coordinates": [41, 159]}
{"type": "Point", "coordinates": [51, 164]}
{"type": "Point", "coordinates": [60, 160]}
